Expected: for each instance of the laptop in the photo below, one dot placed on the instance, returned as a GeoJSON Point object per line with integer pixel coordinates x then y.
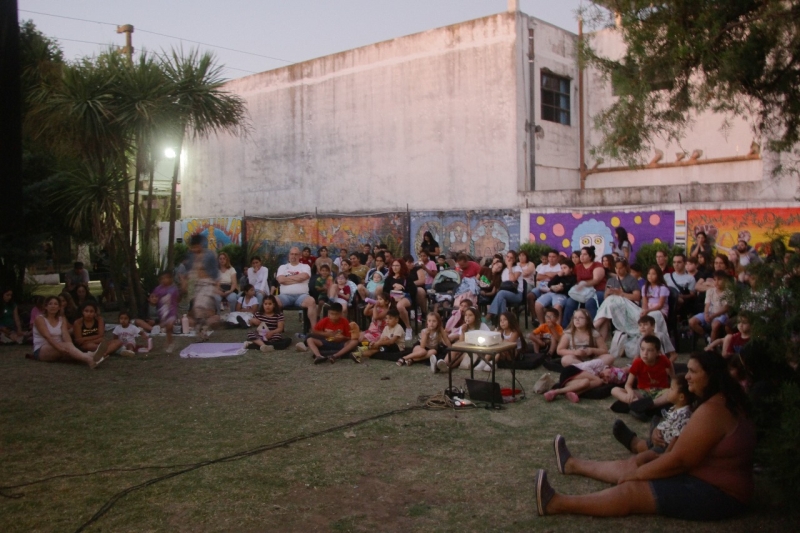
{"type": "Point", "coordinates": [484, 391]}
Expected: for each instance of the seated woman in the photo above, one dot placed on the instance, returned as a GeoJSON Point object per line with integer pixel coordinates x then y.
{"type": "Point", "coordinates": [705, 474]}
{"type": "Point", "coordinates": [621, 303]}
{"type": "Point", "coordinates": [590, 274]}
{"type": "Point", "coordinates": [227, 283]}
{"type": "Point", "coordinates": [511, 287]}
{"type": "Point", "coordinates": [10, 324]}
{"type": "Point", "coordinates": [489, 283]}
{"type": "Point", "coordinates": [68, 308]}
{"type": "Point", "coordinates": [82, 296]}
{"type": "Point", "coordinates": [51, 340]}
{"type": "Point", "coordinates": [401, 288]}
{"type": "Point", "coordinates": [581, 342]}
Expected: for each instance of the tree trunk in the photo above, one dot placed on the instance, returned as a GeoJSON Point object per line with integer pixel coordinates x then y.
{"type": "Point", "coordinates": [173, 206]}
{"type": "Point", "coordinates": [138, 171]}
{"type": "Point", "coordinates": [148, 220]}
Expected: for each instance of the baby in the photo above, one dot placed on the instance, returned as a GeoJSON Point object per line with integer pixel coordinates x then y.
{"type": "Point", "coordinates": [375, 284]}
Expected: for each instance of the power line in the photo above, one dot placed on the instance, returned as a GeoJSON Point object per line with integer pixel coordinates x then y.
{"type": "Point", "coordinates": [161, 35]}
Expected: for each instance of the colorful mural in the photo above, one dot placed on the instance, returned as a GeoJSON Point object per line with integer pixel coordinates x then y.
{"type": "Point", "coordinates": [477, 233]}
{"type": "Point", "coordinates": [566, 232]}
{"type": "Point", "coordinates": [277, 236]}
{"type": "Point", "coordinates": [755, 226]}
{"type": "Point", "coordinates": [218, 231]}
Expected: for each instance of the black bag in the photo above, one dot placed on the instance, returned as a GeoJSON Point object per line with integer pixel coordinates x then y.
{"type": "Point", "coordinates": [683, 289]}
{"type": "Point", "coordinates": [510, 286]}
{"type": "Point", "coordinates": [527, 361]}
{"type": "Point", "coordinates": [446, 286]}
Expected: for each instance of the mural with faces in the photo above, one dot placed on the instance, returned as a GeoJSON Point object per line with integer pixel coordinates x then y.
{"type": "Point", "coordinates": [566, 232]}
{"type": "Point", "coordinates": [478, 233]}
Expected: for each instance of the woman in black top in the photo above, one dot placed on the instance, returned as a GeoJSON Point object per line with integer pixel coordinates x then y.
{"type": "Point", "coordinates": [430, 245]}
{"type": "Point", "coordinates": [396, 281]}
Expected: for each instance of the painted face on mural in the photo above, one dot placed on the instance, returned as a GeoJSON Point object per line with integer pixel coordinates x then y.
{"type": "Point", "coordinates": [596, 240]}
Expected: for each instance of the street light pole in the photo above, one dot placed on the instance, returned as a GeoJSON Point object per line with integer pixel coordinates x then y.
{"type": "Point", "coordinates": [127, 29]}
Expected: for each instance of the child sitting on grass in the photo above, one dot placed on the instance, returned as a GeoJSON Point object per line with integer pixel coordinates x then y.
{"type": "Point", "coordinates": [651, 372]}
{"type": "Point", "coordinates": [732, 344]}
{"type": "Point", "coordinates": [89, 329]}
{"type": "Point", "coordinates": [377, 309]}
{"type": "Point", "coordinates": [150, 324]}
{"type": "Point", "coordinates": [246, 306]}
{"type": "Point", "coordinates": [647, 326]}
{"type": "Point", "coordinates": [126, 334]}
{"type": "Point", "coordinates": [508, 325]}
{"type": "Point", "coordinates": [472, 321]}
{"type": "Point", "coordinates": [545, 338]}
{"type": "Point", "coordinates": [329, 334]}
{"type": "Point", "coordinates": [581, 377]}
{"type": "Point", "coordinates": [167, 296]}
{"type": "Point", "coordinates": [433, 342]}
{"type": "Point", "coordinates": [269, 333]}
{"type": "Point", "coordinates": [668, 429]}
{"type": "Point", "coordinates": [392, 339]}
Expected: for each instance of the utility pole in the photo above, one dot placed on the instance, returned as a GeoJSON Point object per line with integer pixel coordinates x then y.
{"type": "Point", "coordinates": [127, 29]}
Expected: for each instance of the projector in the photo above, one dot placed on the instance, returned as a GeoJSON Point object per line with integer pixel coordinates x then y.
{"type": "Point", "coordinates": [483, 338]}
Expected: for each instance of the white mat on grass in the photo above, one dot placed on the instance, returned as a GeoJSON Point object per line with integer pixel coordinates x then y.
{"type": "Point", "coordinates": [205, 350]}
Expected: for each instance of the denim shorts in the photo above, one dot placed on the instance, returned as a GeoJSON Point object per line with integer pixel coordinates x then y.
{"type": "Point", "coordinates": [551, 299]}
{"type": "Point", "coordinates": [722, 319]}
{"type": "Point", "coordinates": [688, 498]}
{"type": "Point", "coordinates": [292, 300]}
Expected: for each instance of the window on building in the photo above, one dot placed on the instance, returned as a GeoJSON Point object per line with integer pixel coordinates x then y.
{"type": "Point", "coordinates": [555, 99]}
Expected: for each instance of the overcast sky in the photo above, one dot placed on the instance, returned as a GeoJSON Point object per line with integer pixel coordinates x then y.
{"type": "Point", "coordinates": [286, 31]}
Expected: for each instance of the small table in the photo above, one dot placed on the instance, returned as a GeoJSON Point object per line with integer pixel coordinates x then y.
{"type": "Point", "coordinates": [470, 349]}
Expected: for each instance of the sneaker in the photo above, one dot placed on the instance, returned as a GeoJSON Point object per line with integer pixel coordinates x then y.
{"type": "Point", "coordinates": [242, 322]}
{"type": "Point", "coordinates": [100, 354]}
{"type": "Point", "coordinates": [301, 347]}
{"type": "Point", "coordinates": [320, 360]}
{"type": "Point", "coordinates": [266, 348]}
{"type": "Point", "coordinates": [156, 330]}
{"type": "Point", "coordinates": [409, 334]}
{"type": "Point", "coordinates": [442, 366]}
{"type": "Point", "coordinates": [300, 336]}
{"type": "Point", "coordinates": [170, 347]}
{"type": "Point", "coordinates": [127, 353]}
{"type": "Point", "coordinates": [623, 433]}
{"type": "Point", "coordinates": [5, 339]}
{"type": "Point", "coordinates": [550, 395]}
{"type": "Point", "coordinates": [544, 492]}
{"type": "Point", "coordinates": [562, 453]}
{"type": "Point", "coordinates": [487, 367]}
{"type": "Point", "coordinates": [356, 356]}
{"type": "Point", "coordinates": [434, 367]}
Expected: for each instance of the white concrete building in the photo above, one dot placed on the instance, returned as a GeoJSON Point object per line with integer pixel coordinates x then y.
{"type": "Point", "coordinates": [445, 120]}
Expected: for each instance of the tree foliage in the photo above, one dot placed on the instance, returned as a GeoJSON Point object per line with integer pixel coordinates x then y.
{"type": "Point", "coordinates": [740, 58]}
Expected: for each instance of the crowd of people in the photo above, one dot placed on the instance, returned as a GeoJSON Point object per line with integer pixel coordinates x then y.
{"type": "Point", "coordinates": [588, 313]}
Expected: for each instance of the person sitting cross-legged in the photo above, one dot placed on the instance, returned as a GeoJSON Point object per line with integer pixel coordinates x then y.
{"type": "Point", "coordinates": [330, 333]}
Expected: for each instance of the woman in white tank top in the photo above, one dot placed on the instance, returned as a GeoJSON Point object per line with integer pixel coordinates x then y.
{"type": "Point", "coordinates": [51, 340]}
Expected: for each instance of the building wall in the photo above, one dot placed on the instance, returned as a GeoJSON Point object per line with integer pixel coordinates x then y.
{"type": "Point", "coordinates": [428, 120]}
{"type": "Point", "coordinates": [477, 233]}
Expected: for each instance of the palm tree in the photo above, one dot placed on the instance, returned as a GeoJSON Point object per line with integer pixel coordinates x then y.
{"type": "Point", "coordinates": [203, 107]}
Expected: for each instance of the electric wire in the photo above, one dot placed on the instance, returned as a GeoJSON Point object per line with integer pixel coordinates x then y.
{"type": "Point", "coordinates": [137, 29]}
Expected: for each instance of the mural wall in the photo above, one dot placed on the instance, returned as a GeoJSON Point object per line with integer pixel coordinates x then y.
{"type": "Point", "coordinates": [566, 232]}
{"type": "Point", "coordinates": [219, 232]}
{"type": "Point", "coordinates": [274, 237]}
{"type": "Point", "coordinates": [755, 226]}
{"type": "Point", "coordinates": [477, 233]}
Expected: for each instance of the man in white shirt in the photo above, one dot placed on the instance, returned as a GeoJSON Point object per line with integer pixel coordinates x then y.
{"type": "Point", "coordinates": [293, 278]}
{"type": "Point", "coordinates": [547, 271]}
{"type": "Point", "coordinates": [681, 280]}
{"type": "Point", "coordinates": [257, 277]}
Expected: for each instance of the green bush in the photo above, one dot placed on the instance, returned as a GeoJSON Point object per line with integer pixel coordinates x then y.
{"type": "Point", "coordinates": [148, 269]}
{"type": "Point", "coordinates": [535, 250]}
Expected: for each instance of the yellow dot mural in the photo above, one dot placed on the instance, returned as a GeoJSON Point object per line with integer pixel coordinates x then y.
{"type": "Point", "coordinates": [637, 219]}
{"type": "Point", "coordinates": [565, 243]}
{"type": "Point", "coordinates": [543, 236]}
{"type": "Point", "coordinates": [540, 220]}
{"type": "Point", "coordinates": [656, 240]}
{"type": "Point", "coordinates": [615, 221]}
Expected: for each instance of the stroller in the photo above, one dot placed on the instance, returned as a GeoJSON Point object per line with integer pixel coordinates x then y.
{"type": "Point", "coordinates": [443, 290]}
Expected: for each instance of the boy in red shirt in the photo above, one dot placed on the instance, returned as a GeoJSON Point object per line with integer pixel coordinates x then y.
{"type": "Point", "coordinates": [330, 333]}
{"type": "Point", "coordinates": [652, 371]}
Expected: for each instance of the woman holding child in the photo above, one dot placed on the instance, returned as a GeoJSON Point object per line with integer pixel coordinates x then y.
{"type": "Point", "coordinates": [590, 275]}
{"type": "Point", "coordinates": [705, 474]}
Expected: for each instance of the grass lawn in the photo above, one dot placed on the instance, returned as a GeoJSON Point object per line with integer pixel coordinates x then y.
{"type": "Point", "coordinates": [414, 471]}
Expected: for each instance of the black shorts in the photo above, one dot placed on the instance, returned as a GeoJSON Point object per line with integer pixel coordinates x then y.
{"type": "Point", "coordinates": [390, 348]}
{"type": "Point", "coordinates": [331, 346]}
{"type": "Point", "coordinates": [689, 498]}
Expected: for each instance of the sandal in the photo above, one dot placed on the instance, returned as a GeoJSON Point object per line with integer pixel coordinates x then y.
{"type": "Point", "coordinates": [401, 362]}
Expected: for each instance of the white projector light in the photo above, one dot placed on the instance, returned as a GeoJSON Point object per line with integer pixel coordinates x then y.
{"type": "Point", "coordinates": [483, 338]}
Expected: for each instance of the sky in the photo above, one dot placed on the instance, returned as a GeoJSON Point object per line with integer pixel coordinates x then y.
{"type": "Point", "coordinates": [250, 36]}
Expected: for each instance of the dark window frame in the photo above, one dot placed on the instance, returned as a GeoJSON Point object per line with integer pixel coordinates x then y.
{"type": "Point", "coordinates": [553, 89]}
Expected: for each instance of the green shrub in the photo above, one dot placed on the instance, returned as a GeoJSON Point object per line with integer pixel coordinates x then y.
{"type": "Point", "coordinates": [148, 268]}
{"type": "Point", "coordinates": [535, 250]}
